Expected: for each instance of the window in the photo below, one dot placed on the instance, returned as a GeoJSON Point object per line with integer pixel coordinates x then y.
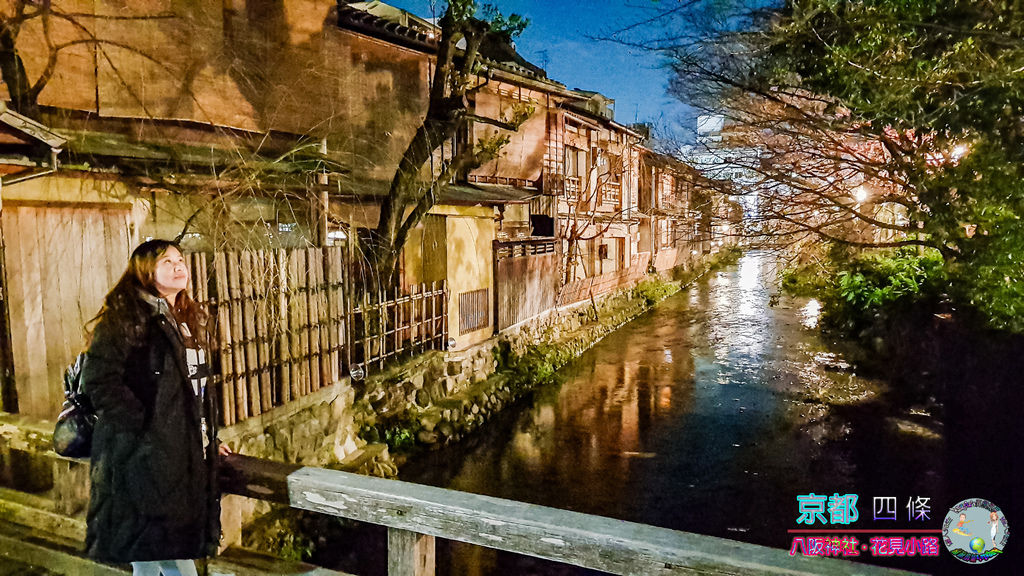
{"type": "Point", "coordinates": [575, 162]}
{"type": "Point", "coordinates": [473, 310]}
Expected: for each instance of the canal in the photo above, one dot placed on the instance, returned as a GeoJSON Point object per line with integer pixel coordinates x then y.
{"type": "Point", "coordinates": [709, 414]}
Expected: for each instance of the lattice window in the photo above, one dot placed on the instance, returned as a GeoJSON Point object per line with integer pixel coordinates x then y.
{"type": "Point", "coordinates": [473, 310]}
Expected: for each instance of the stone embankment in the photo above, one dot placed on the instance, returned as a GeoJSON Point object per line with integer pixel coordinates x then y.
{"type": "Point", "coordinates": [435, 400]}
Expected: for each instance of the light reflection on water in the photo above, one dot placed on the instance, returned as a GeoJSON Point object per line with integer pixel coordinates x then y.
{"type": "Point", "coordinates": [697, 417]}
{"type": "Point", "coordinates": [810, 313]}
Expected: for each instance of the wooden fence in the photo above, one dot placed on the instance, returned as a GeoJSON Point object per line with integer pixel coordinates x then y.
{"type": "Point", "coordinates": [286, 324]}
{"type": "Point", "coordinates": [525, 277]}
{"type": "Point", "coordinates": [580, 290]}
{"type": "Point", "coordinates": [416, 514]}
{"type": "Point", "coordinates": [394, 324]}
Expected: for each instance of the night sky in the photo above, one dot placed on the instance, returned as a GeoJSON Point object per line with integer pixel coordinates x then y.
{"type": "Point", "coordinates": [559, 39]}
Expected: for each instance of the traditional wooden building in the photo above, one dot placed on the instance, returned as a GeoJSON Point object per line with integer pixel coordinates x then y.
{"type": "Point", "coordinates": [256, 127]}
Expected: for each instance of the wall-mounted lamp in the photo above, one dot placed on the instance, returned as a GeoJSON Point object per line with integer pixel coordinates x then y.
{"type": "Point", "coordinates": [357, 373]}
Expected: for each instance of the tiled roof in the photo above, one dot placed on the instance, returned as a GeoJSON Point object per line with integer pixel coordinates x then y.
{"type": "Point", "coordinates": [29, 127]}
{"type": "Point", "coordinates": [492, 54]}
{"type": "Point", "coordinates": [379, 27]}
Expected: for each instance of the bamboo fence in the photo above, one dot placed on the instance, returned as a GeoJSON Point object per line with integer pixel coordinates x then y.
{"type": "Point", "coordinates": [285, 324]}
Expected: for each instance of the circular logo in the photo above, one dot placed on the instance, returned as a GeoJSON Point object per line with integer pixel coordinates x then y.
{"type": "Point", "coordinates": [975, 531]}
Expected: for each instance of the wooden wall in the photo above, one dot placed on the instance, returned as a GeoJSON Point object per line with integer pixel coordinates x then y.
{"type": "Point", "coordinates": [526, 280]}
{"type": "Point", "coordinates": [60, 260]}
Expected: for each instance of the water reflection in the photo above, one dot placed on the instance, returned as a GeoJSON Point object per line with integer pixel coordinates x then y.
{"type": "Point", "coordinates": [701, 416]}
{"type": "Point", "coordinates": [810, 313]}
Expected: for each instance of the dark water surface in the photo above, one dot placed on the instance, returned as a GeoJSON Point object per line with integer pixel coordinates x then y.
{"type": "Point", "coordinates": [709, 414]}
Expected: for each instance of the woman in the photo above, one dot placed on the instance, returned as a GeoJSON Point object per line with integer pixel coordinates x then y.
{"type": "Point", "coordinates": [993, 519]}
{"type": "Point", "coordinates": [154, 499]}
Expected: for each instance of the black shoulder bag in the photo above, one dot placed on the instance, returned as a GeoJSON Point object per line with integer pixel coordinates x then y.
{"type": "Point", "coordinates": [72, 436]}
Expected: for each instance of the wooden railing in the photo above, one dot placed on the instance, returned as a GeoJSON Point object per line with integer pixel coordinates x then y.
{"type": "Point", "coordinates": [415, 515]}
{"type": "Point", "coordinates": [611, 193]}
{"type": "Point", "coordinates": [572, 188]}
{"type": "Point", "coordinates": [394, 324]}
{"type": "Point", "coordinates": [524, 247]}
{"type": "Point", "coordinates": [501, 180]}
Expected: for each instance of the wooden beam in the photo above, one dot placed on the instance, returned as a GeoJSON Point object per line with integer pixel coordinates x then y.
{"type": "Point", "coordinates": [16, 202]}
{"type": "Point", "coordinates": [410, 554]}
{"type": "Point", "coordinates": [256, 478]}
{"type": "Point", "coordinates": [584, 540]}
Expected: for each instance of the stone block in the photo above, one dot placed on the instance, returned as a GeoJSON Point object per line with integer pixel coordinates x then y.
{"type": "Point", "coordinates": [417, 381]}
{"type": "Point", "coordinates": [427, 437]}
{"type": "Point", "coordinates": [423, 397]}
{"type": "Point", "coordinates": [453, 368]}
{"type": "Point", "coordinates": [322, 414]}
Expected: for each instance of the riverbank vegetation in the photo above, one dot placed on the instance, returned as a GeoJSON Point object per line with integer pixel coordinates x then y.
{"type": "Point", "coordinates": [874, 125]}
{"type": "Point", "coordinates": [862, 290]}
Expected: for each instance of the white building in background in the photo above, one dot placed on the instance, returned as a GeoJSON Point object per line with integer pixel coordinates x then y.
{"type": "Point", "coordinates": [716, 159]}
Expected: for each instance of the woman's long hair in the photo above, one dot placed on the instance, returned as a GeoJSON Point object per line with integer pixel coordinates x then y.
{"type": "Point", "coordinates": [124, 305]}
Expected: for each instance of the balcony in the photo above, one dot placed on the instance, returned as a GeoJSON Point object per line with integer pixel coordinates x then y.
{"type": "Point", "coordinates": [572, 188]}
{"type": "Point", "coordinates": [611, 193]}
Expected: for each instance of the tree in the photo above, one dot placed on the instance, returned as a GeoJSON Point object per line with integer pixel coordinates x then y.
{"type": "Point", "coordinates": [920, 100]}
{"type": "Point", "coordinates": [412, 193]}
{"type": "Point", "coordinates": [936, 82]}
{"type": "Point", "coordinates": [24, 90]}
{"type": "Point", "coordinates": [584, 222]}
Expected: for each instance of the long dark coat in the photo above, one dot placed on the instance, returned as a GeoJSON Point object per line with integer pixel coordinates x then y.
{"type": "Point", "coordinates": [154, 496]}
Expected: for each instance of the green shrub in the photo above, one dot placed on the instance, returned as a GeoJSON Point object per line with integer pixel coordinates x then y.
{"type": "Point", "coordinates": [875, 283]}
{"type": "Point", "coordinates": [654, 290]}
{"type": "Point", "coordinates": [535, 367]}
{"type": "Point", "coordinates": [807, 280]}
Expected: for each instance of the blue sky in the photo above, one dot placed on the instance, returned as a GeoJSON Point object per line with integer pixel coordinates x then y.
{"type": "Point", "coordinates": [559, 40]}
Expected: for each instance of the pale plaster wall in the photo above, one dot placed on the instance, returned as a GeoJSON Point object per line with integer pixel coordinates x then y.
{"type": "Point", "coordinates": [470, 234]}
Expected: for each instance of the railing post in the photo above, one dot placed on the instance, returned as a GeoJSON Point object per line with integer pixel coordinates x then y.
{"type": "Point", "coordinates": [409, 553]}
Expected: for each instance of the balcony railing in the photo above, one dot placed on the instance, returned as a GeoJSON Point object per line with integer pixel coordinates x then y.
{"type": "Point", "coordinates": [611, 193]}
{"type": "Point", "coordinates": [572, 188]}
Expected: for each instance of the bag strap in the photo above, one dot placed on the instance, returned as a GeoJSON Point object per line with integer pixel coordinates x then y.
{"type": "Point", "coordinates": [73, 377]}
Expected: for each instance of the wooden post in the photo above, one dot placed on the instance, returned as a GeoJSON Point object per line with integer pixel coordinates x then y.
{"type": "Point", "coordinates": [260, 273]}
{"type": "Point", "coordinates": [424, 338]}
{"type": "Point", "coordinates": [296, 328]}
{"type": "Point", "coordinates": [366, 316]}
{"type": "Point", "coordinates": [237, 337]}
{"type": "Point", "coordinates": [382, 348]}
{"type": "Point", "coordinates": [282, 336]}
{"type": "Point", "coordinates": [396, 319]}
{"type": "Point", "coordinates": [313, 319]}
{"type": "Point", "coordinates": [224, 344]}
{"type": "Point", "coordinates": [433, 316]}
{"type": "Point", "coordinates": [409, 553]}
{"type": "Point", "coordinates": [349, 294]}
{"type": "Point", "coordinates": [242, 285]}
{"type": "Point", "coordinates": [444, 314]}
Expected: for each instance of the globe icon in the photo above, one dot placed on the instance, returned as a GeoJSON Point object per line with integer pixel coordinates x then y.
{"type": "Point", "coordinates": [977, 544]}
